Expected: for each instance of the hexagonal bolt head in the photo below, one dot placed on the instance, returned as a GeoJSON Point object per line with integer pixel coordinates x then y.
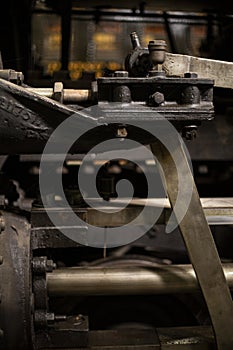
{"type": "Point", "coordinates": [156, 99]}
{"type": "Point", "coordinates": [58, 92]}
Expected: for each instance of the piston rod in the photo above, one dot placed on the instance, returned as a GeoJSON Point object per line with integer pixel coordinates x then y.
{"type": "Point", "coordinates": [164, 279]}
{"type": "Point", "coordinates": [69, 95]}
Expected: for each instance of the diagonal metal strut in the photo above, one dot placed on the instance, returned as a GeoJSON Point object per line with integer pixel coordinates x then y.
{"type": "Point", "coordinates": [200, 246]}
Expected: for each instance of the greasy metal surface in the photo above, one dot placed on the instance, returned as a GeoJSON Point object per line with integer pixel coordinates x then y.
{"type": "Point", "coordinates": [178, 338]}
{"type": "Point", "coordinates": [186, 338]}
{"type": "Point", "coordinates": [221, 72]}
{"type": "Point", "coordinates": [133, 280]}
{"type": "Point", "coordinates": [125, 339]}
{"type": "Point", "coordinates": [217, 211]}
{"type": "Point", "coordinates": [15, 289]}
{"type": "Point", "coordinates": [200, 246]}
{"type": "Point", "coordinates": [68, 334]}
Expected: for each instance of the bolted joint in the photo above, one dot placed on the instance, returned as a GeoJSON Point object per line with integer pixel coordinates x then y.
{"type": "Point", "coordinates": [41, 265]}
{"type": "Point", "coordinates": [12, 76]}
{"type": "Point", "coordinates": [42, 319]}
{"type": "Point", "coordinates": [190, 95]}
{"type": "Point", "coordinates": [16, 77]}
{"type": "Point", "coordinates": [156, 99]}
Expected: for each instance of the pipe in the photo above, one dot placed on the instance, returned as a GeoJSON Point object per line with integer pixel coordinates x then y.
{"type": "Point", "coordinates": [121, 281]}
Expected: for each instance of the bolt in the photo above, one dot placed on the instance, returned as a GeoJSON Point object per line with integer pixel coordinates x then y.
{"type": "Point", "coordinates": [1, 333]}
{"type": "Point", "coordinates": [121, 74]}
{"type": "Point", "coordinates": [1, 259]}
{"type": "Point", "coordinates": [122, 132]}
{"type": "Point", "coordinates": [50, 266]}
{"type": "Point", "coordinates": [58, 92]}
{"type": "Point", "coordinates": [156, 99]}
{"type": "Point", "coordinates": [16, 77]}
{"type": "Point", "coordinates": [122, 94]}
{"type": "Point", "coordinates": [190, 132]}
{"type": "Point", "coordinates": [190, 95]}
{"type": "Point", "coordinates": [190, 75]}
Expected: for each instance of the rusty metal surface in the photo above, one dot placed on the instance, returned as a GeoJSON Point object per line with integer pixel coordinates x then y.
{"type": "Point", "coordinates": [221, 72]}
{"type": "Point", "coordinates": [15, 288]}
{"type": "Point", "coordinates": [27, 119]}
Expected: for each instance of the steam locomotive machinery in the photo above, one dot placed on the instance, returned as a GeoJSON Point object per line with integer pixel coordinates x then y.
{"type": "Point", "coordinates": [45, 275]}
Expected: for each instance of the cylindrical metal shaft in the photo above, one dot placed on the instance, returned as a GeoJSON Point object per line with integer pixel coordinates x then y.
{"type": "Point", "coordinates": [70, 95]}
{"type": "Point", "coordinates": [163, 279]}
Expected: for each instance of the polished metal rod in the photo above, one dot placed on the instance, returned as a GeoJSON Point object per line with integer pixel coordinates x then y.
{"type": "Point", "coordinates": [69, 95]}
{"type": "Point", "coordinates": [164, 279]}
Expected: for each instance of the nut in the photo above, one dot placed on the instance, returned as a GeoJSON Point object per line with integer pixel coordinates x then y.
{"type": "Point", "coordinates": [156, 99]}
{"type": "Point", "coordinates": [58, 92]}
